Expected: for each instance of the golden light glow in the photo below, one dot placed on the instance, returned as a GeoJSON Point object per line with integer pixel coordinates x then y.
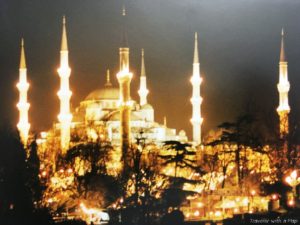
{"type": "Point", "coordinates": [143, 91]}
{"type": "Point", "coordinates": [64, 94]}
{"type": "Point", "coordinates": [23, 106]}
{"type": "Point", "coordinates": [283, 88]}
{"type": "Point", "coordinates": [196, 99]}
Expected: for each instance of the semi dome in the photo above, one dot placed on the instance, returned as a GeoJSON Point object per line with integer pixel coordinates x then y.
{"type": "Point", "coordinates": [107, 93]}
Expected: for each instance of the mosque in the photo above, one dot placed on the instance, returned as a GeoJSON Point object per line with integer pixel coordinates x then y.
{"type": "Point", "coordinates": [108, 112]}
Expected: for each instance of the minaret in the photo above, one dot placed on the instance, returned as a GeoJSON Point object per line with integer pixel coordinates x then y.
{"type": "Point", "coordinates": [283, 88]}
{"type": "Point", "coordinates": [108, 83]}
{"type": "Point", "coordinates": [124, 78]}
{"type": "Point", "coordinates": [143, 92]}
{"type": "Point", "coordinates": [23, 106]}
{"type": "Point", "coordinates": [64, 94]}
{"type": "Point", "coordinates": [196, 99]}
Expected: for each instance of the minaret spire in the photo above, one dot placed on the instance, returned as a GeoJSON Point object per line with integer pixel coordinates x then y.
{"type": "Point", "coordinates": [23, 106]}
{"type": "Point", "coordinates": [124, 77]}
{"type": "Point", "coordinates": [64, 41]}
{"type": "Point", "coordinates": [196, 54]}
{"type": "Point", "coordinates": [283, 87]}
{"type": "Point", "coordinates": [64, 94]}
{"type": "Point", "coordinates": [196, 99]}
{"type": "Point", "coordinates": [108, 83]}
{"type": "Point", "coordinates": [282, 50]}
{"type": "Point", "coordinates": [22, 60]}
{"type": "Point", "coordinates": [143, 91]}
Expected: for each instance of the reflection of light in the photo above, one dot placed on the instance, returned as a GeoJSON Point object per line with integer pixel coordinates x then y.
{"type": "Point", "coordinates": [196, 213]}
{"type": "Point", "coordinates": [44, 173]}
{"type": "Point", "coordinates": [236, 210]}
{"type": "Point", "coordinates": [70, 170]}
{"type": "Point", "coordinates": [50, 200]}
{"type": "Point", "coordinates": [253, 192]}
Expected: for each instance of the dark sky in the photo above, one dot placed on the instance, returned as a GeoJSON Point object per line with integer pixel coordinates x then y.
{"type": "Point", "coordinates": [239, 44]}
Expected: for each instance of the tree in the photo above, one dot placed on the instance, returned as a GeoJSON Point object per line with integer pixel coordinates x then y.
{"type": "Point", "coordinates": [238, 136]}
{"type": "Point", "coordinates": [184, 156]}
{"type": "Point", "coordinates": [18, 183]}
{"type": "Point", "coordinates": [33, 169]}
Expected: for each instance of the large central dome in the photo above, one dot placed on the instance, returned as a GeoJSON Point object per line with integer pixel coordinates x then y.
{"type": "Point", "coordinates": [106, 93]}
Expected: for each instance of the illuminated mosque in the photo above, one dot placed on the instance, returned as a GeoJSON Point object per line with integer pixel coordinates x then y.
{"type": "Point", "coordinates": [111, 114]}
{"type": "Point", "coordinates": [108, 112]}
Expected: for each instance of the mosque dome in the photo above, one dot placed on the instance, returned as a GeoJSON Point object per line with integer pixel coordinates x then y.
{"type": "Point", "coordinates": [115, 116]}
{"type": "Point", "coordinates": [106, 93]}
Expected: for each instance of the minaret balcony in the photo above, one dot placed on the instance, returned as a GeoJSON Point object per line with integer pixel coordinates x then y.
{"type": "Point", "coordinates": [197, 120]}
{"type": "Point", "coordinates": [65, 118]}
{"type": "Point", "coordinates": [283, 88]}
{"type": "Point", "coordinates": [196, 100]}
{"type": "Point", "coordinates": [23, 126]}
{"type": "Point", "coordinates": [124, 76]}
{"type": "Point", "coordinates": [196, 80]}
{"type": "Point", "coordinates": [23, 106]}
{"type": "Point", "coordinates": [143, 92]}
{"type": "Point", "coordinates": [64, 94]}
{"type": "Point", "coordinates": [64, 72]}
{"type": "Point", "coordinates": [23, 86]}
{"type": "Point", "coordinates": [283, 108]}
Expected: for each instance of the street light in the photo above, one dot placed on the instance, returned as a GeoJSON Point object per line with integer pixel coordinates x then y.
{"type": "Point", "coordinates": [293, 180]}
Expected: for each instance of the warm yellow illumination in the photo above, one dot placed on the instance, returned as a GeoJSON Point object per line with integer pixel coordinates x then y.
{"type": "Point", "coordinates": [293, 180]}
{"type": "Point", "coordinates": [196, 99]}
{"type": "Point", "coordinates": [23, 106]}
{"type": "Point", "coordinates": [143, 91]}
{"type": "Point", "coordinates": [196, 213]}
{"type": "Point", "coordinates": [283, 88]}
{"type": "Point", "coordinates": [64, 94]}
{"type": "Point", "coordinates": [124, 78]}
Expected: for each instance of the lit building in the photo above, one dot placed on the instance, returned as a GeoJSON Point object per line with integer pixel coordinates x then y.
{"type": "Point", "coordinates": [109, 112]}
{"type": "Point", "coordinates": [23, 106]}
{"type": "Point", "coordinates": [196, 99]}
{"type": "Point", "coordinates": [283, 87]}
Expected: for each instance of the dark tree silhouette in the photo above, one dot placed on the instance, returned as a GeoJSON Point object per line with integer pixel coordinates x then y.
{"type": "Point", "coordinates": [18, 187]}
{"type": "Point", "coordinates": [182, 157]}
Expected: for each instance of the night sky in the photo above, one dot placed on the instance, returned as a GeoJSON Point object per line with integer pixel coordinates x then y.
{"type": "Point", "coordinates": [239, 42]}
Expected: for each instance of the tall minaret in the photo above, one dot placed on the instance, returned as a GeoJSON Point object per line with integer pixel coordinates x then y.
{"type": "Point", "coordinates": [283, 88]}
{"type": "Point", "coordinates": [23, 106]}
{"type": "Point", "coordinates": [196, 98]}
{"type": "Point", "coordinates": [64, 94]}
{"type": "Point", "coordinates": [143, 92]}
{"type": "Point", "coordinates": [124, 79]}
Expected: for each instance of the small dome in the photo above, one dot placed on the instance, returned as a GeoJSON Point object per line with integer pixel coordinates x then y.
{"type": "Point", "coordinates": [147, 106]}
{"type": "Point", "coordinates": [107, 93]}
{"type": "Point", "coordinates": [182, 133]}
